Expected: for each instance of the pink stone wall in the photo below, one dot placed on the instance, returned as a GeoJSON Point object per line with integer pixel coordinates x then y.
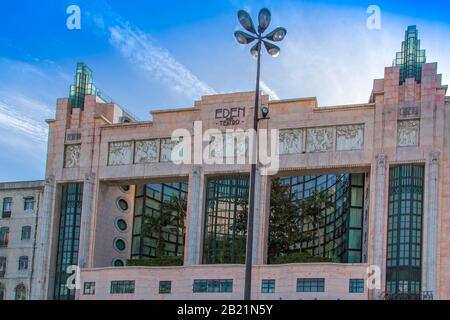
{"type": "Point", "coordinates": [147, 281]}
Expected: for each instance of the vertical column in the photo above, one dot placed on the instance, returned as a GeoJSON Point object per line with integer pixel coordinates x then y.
{"type": "Point", "coordinates": [40, 278]}
{"type": "Point", "coordinates": [261, 219]}
{"type": "Point", "coordinates": [86, 221]}
{"type": "Point", "coordinates": [432, 218]}
{"type": "Point", "coordinates": [378, 237]}
{"type": "Point", "coordinates": [192, 245]}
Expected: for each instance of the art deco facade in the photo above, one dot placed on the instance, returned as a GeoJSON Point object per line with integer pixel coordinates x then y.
{"type": "Point", "coordinates": [384, 164]}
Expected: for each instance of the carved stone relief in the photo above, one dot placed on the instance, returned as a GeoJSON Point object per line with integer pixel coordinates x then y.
{"type": "Point", "coordinates": [290, 141]}
{"type": "Point", "coordinates": [408, 133]}
{"type": "Point", "coordinates": [72, 156]}
{"type": "Point", "coordinates": [319, 139]}
{"type": "Point", "coordinates": [120, 153]}
{"type": "Point", "coordinates": [216, 147]}
{"type": "Point", "coordinates": [146, 151]}
{"type": "Point", "coordinates": [349, 137]}
{"type": "Point", "coordinates": [167, 146]}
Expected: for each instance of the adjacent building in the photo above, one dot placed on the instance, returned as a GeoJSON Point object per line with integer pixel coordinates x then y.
{"type": "Point", "coordinates": [20, 203]}
{"type": "Point", "coordinates": [357, 210]}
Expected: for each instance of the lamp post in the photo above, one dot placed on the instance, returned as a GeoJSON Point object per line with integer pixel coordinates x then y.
{"type": "Point", "coordinates": [245, 38]}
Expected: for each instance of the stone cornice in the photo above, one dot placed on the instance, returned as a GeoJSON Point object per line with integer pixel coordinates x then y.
{"type": "Point", "coordinates": [127, 125]}
{"type": "Point", "coordinates": [313, 99]}
{"type": "Point", "coordinates": [350, 107]}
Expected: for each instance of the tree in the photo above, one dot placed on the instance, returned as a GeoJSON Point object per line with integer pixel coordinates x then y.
{"type": "Point", "coordinates": [313, 210]}
{"type": "Point", "coordinates": [284, 232]}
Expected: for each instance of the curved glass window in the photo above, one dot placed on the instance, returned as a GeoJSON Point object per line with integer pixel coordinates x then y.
{"type": "Point", "coordinates": [122, 204]}
{"type": "Point", "coordinates": [118, 263]}
{"type": "Point", "coordinates": [125, 188]}
{"type": "Point", "coordinates": [317, 218]}
{"type": "Point", "coordinates": [121, 225]}
{"type": "Point", "coordinates": [404, 238]}
{"type": "Point", "coordinates": [226, 220]}
{"type": "Point", "coordinates": [120, 244]}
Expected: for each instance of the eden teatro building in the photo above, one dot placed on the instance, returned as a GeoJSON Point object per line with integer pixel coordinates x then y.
{"type": "Point", "coordinates": [359, 208]}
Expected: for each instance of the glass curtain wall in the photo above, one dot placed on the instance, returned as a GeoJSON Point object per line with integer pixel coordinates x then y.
{"type": "Point", "coordinates": [338, 233]}
{"type": "Point", "coordinates": [151, 228]}
{"type": "Point", "coordinates": [226, 220]}
{"type": "Point", "coordinates": [68, 237]}
{"type": "Point", "coordinates": [404, 238]}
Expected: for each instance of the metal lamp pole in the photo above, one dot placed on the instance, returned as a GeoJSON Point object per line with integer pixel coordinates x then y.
{"type": "Point", "coordinates": [244, 38]}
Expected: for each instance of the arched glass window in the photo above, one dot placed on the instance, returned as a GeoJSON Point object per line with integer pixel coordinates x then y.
{"type": "Point", "coordinates": [21, 292]}
{"type": "Point", "coordinates": [2, 292]}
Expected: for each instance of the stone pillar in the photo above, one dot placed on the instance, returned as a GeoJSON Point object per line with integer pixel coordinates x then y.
{"type": "Point", "coordinates": [86, 221]}
{"type": "Point", "coordinates": [42, 250]}
{"type": "Point", "coordinates": [261, 220]}
{"type": "Point", "coordinates": [258, 219]}
{"type": "Point", "coordinates": [432, 220]}
{"type": "Point", "coordinates": [192, 254]}
{"type": "Point", "coordinates": [378, 237]}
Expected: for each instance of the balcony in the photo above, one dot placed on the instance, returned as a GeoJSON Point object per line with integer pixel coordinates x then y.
{"type": "Point", "coordinates": [2, 273]}
{"type": "Point", "coordinates": [3, 243]}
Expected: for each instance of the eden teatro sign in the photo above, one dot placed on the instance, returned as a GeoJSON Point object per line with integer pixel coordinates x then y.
{"type": "Point", "coordinates": [230, 116]}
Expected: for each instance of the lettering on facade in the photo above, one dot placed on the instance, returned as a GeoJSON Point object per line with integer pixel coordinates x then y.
{"type": "Point", "coordinates": [229, 116]}
{"type": "Point", "coordinates": [409, 112]}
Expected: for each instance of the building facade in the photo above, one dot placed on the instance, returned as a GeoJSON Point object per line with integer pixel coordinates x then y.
{"type": "Point", "coordinates": [18, 222]}
{"type": "Point", "coordinates": [137, 224]}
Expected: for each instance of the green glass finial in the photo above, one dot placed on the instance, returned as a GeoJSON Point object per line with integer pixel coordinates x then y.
{"type": "Point", "coordinates": [84, 85]}
{"type": "Point", "coordinates": [411, 58]}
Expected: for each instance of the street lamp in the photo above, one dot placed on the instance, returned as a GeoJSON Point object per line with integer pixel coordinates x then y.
{"type": "Point", "coordinates": [245, 38]}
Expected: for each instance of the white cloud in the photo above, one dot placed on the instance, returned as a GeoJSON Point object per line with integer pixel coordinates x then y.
{"type": "Point", "coordinates": [272, 94]}
{"type": "Point", "coordinates": [22, 124]}
{"type": "Point", "coordinates": [139, 49]}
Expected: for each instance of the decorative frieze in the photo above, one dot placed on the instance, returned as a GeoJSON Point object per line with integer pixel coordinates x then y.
{"type": "Point", "coordinates": [167, 146]}
{"type": "Point", "coordinates": [216, 147]}
{"type": "Point", "coordinates": [408, 133]}
{"type": "Point", "coordinates": [291, 141]}
{"type": "Point", "coordinates": [319, 139]}
{"type": "Point", "coordinates": [72, 155]}
{"type": "Point", "coordinates": [349, 137]}
{"type": "Point", "coordinates": [120, 153]}
{"type": "Point", "coordinates": [146, 151]}
{"type": "Point", "coordinates": [237, 144]}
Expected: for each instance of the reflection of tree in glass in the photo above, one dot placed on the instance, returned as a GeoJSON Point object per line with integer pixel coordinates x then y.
{"type": "Point", "coordinates": [170, 218]}
{"type": "Point", "coordinates": [289, 219]}
{"type": "Point", "coordinates": [313, 211]}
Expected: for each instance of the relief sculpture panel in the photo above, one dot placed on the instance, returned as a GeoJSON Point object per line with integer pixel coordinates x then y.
{"type": "Point", "coordinates": [167, 146]}
{"type": "Point", "coordinates": [120, 153]}
{"type": "Point", "coordinates": [72, 156]}
{"type": "Point", "coordinates": [349, 137]}
{"type": "Point", "coordinates": [319, 139]}
{"type": "Point", "coordinates": [408, 133]}
{"type": "Point", "coordinates": [290, 141]}
{"type": "Point", "coordinates": [146, 151]}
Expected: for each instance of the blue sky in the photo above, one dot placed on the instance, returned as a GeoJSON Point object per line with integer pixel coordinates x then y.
{"type": "Point", "coordinates": [163, 54]}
